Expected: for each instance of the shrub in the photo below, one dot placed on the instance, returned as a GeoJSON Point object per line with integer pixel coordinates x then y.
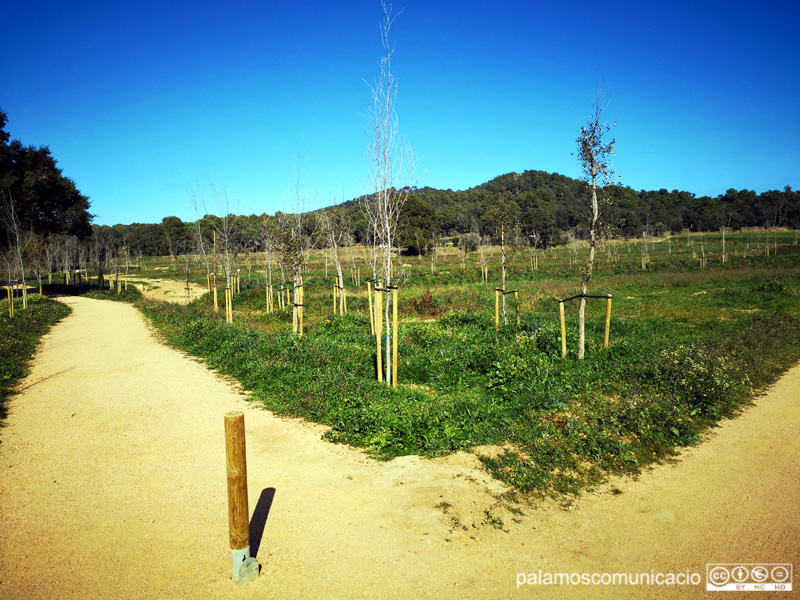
{"type": "Point", "coordinates": [706, 380]}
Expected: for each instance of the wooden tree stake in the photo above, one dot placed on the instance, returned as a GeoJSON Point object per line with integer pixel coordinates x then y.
{"type": "Point", "coordinates": [608, 321]}
{"type": "Point", "coordinates": [371, 308]}
{"type": "Point", "coordinates": [301, 294]}
{"type": "Point", "coordinates": [394, 337]}
{"type": "Point", "coordinates": [563, 330]}
{"type": "Point", "coordinates": [378, 311]}
{"type": "Point", "coordinates": [497, 310]}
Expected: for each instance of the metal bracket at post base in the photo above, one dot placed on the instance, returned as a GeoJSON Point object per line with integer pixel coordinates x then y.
{"type": "Point", "coordinates": [244, 568]}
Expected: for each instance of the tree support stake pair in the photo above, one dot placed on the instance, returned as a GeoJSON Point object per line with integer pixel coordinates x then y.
{"type": "Point", "coordinates": [498, 292]}
{"type": "Point", "coordinates": [564, 325]}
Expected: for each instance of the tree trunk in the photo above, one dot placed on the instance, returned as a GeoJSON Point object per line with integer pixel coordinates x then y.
{"type": "Point", "coordinates": [503, 272]}
{"type": "Point", "coordinates": [588, 273]}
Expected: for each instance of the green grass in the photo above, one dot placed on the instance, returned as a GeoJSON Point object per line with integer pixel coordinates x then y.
{"type": "Point", "coordinates": [20, 336]}
{"type": "Point", "coordinates": [689, 347]}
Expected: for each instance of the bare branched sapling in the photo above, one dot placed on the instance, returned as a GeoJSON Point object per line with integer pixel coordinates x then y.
{"type": "Point", "coordinates": [390, 173]}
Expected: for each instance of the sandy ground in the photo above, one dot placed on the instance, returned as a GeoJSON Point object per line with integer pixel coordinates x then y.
{"type": "Point", "coordinates": [112, 485]}
{"type": "Point", "coordinates": [168, 290]}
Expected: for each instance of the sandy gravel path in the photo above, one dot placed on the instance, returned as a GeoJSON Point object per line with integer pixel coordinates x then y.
{"type": "Point", "coordinates": [112, 485]}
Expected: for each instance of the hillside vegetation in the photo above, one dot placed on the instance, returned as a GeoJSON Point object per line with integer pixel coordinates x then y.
{"type": "Point", "coordinates": [550, 207]}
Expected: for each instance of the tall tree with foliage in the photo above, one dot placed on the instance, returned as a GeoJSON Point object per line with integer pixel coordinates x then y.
{"type": "Point", "coordinates": [594, 156]}
{"type": "Point", "coordinates": [416, 225]}
{"type": "Point", "coordinates": [47, 202]}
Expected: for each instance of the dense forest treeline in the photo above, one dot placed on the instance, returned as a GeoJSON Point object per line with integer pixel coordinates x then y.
{"type": "Point", "coordinates": [550, 208]}
{"type": "Point", "coordinates": [43, 216]}
{"type": "Point", "coordinates": [43, 200]}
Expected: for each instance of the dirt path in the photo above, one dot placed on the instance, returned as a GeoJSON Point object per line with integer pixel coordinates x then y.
{"type": "Point", "coordinates": [112, 485]}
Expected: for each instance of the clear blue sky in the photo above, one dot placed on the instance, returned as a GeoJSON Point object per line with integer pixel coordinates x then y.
{"type": "Point", "coordinates": [140, 100]}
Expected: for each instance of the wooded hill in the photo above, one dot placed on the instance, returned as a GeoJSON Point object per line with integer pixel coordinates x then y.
{"type": "Point", "coordinates": [548, 206]}
{"type": "Point", "coordinates": [554, 204]}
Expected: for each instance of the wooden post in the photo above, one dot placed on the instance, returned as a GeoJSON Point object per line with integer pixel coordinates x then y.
{"type": "Point", "coordinates": [335, 291]}
{"type": "Point", "coordinates": [301, 295]}
{"type": "Point", "coordinates": [294, 306]}
{"type": "Point", "coordinates": [563, 330]}
{"type": "Point", "coordinates": [378, 311]}
{"type": "Point", "coordinates": [516, 304]}
{"type": "Point", "coordinates": [608, 321]}
{"type": "Point", "coordinates": [10, 301]}
{"type": "Point", "coordinates": [394, 337]}
{"type": "Point", "coordinates": [238, 509]}
{"type": "Point", "coordinates": [216, 300]}
{"type": "Point", "coordinates": [371, 307]}
{"type": "Point", "coordinates": [497, 310]}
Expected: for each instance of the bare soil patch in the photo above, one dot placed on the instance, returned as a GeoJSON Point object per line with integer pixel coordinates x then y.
{"type": "Point", "coordinates": [113, 486]}
{"type": "Point", "coordinates": [168, 290]}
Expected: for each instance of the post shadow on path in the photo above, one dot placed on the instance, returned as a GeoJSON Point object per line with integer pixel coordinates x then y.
{"type": "Point", "coordinates": [259, 519]}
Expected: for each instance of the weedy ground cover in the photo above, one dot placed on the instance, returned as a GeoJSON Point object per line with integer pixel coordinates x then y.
{"type": "Point", "coordinates": [689, 346]}
{"type": "Point", "coordinates": [19, 338]}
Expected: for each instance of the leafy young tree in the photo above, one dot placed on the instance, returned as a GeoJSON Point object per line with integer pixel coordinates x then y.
{"type": "Point", "coordinates": [505, 216]}
{"type": "Point", "coordinates": [594, 156]}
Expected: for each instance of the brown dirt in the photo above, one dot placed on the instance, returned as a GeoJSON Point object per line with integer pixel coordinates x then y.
{"type": "Point", "coordinates": [112, 485]}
